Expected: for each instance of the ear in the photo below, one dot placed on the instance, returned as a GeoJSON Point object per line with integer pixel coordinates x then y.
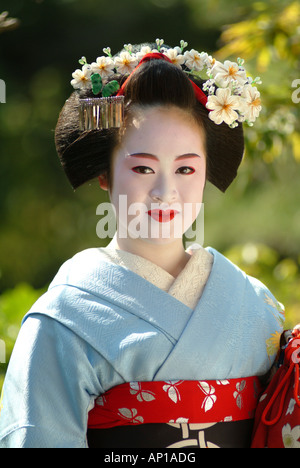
{"type": "Point", "coordinates": [103, 181]}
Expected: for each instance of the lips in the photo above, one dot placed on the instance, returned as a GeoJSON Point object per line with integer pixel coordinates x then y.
{"type": "Point", "coordinates": [162, 216]}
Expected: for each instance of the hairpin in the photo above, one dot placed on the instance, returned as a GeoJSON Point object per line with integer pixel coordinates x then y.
{"type": "Point", "coordinates": [101, 113]}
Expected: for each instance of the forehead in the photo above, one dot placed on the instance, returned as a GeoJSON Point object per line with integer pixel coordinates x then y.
{"type": "Point", "coordinates": [157, 130]}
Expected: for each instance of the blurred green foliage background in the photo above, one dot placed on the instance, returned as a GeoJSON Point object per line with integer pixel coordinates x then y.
{"type": "Point", "coordinates": [43, 222]}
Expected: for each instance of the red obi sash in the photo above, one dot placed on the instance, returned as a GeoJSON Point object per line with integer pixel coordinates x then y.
{"type": "Point", "coordinates": [180, 401]}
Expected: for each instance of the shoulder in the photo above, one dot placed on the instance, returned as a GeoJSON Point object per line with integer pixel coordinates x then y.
{"type": "Point", "coordinates": [88, 257]}
{"type": "Point", "coordinates": [238, 278]}
{"type": "Point", "coordinates": [83, 265]}
{"type": "Point", "coordinates": [256, 316]}
{"type": "Point", "coordinates": [257, 302]}
{"type": "Point", "coordinates": [73, 294]}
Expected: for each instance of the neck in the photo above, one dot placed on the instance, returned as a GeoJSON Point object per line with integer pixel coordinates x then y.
{"type": "Point", "coordinates": [171, 257]}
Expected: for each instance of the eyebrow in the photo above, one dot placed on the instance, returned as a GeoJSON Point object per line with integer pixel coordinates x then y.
{"type": "Point", "coordinates": [151, 156]}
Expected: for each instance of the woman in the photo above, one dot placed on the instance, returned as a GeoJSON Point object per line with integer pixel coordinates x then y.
{"type": "Point", "coordinates": [145, 341]}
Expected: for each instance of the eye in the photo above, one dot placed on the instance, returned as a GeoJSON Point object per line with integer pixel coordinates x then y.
{"type": "Point", "coordinates": [185, 170]}
{"type": "Point", "coordinates": [143, 170]}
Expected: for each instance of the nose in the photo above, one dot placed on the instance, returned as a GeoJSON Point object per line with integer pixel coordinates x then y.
{"type": "Point", "coordinates": [164, 190]}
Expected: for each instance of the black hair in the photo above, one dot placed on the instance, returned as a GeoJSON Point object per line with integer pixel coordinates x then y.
{"type": "Point", "coordinates": [87, 155]}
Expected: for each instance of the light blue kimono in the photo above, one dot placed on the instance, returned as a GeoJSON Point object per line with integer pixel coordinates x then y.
{"type": "Point", "coordinates": [100, 325]}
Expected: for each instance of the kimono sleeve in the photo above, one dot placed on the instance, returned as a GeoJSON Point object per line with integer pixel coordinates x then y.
{"type": "Point", "coordinates": [49, 388]}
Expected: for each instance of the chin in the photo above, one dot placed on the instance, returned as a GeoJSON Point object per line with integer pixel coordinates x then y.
{"type": "Point", "coordinates": [157, 241]}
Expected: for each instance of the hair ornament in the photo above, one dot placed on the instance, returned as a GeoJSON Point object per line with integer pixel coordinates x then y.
{"type": "Point", "coordinates": [101, 113]}
{"type": "Point", "coordinates": [228, 93]}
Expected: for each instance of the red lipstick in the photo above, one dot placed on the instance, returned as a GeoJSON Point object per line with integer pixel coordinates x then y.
{"type": "Point", "coordinates": [162, 216]}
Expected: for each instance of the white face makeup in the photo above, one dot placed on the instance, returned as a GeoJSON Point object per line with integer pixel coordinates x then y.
{"type": "Point", "coordinates": [159, 175]}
